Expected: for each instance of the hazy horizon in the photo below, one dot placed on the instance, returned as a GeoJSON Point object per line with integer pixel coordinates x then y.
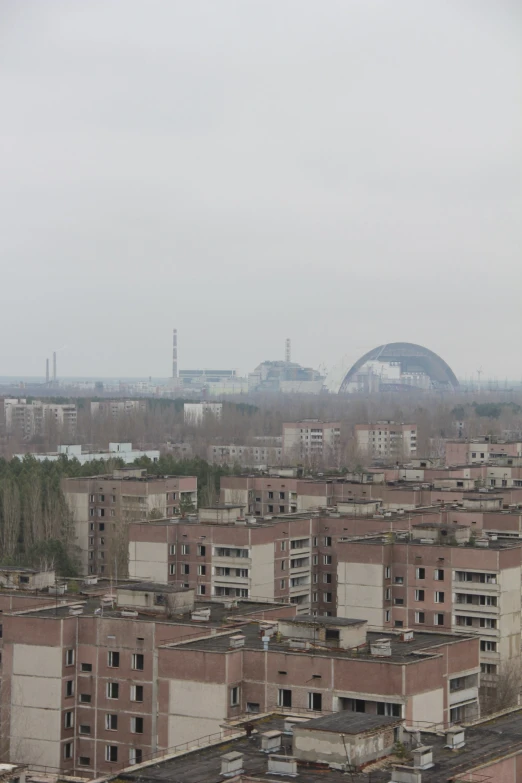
{"type": "Point", "coordinates": [345, 174]}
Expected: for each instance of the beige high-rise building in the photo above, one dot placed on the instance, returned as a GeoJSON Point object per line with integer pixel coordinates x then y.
{"type": "Point", "coordinates": [387, 439]}
{"type": "Point", "coordinates": [312, 441]}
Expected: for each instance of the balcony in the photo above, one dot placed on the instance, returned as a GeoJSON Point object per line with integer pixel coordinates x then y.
{"type": "Point", "coordinates": [463, 695]}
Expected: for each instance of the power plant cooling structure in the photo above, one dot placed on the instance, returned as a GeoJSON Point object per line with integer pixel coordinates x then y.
{"type": "Point", "coordinates": [54, 367]}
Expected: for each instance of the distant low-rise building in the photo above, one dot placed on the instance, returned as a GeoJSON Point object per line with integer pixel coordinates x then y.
{"type": "Point", "coordinates": [255, 456]}
{"type": "Point", "coordinates": [117, 407]}
{"type": "Point", "coordinates": [123, 451]}
{"type": "Point", "coordinates": [195, 412]}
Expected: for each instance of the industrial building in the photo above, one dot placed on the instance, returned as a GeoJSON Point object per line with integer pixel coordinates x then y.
{"type": "Point", "coordinates": [122, 451]}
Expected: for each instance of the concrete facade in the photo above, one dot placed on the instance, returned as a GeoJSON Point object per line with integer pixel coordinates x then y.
{"type": "Point", "coordinates": [387, 439]}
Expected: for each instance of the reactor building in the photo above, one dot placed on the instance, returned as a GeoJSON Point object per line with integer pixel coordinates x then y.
{"type": "Point", "coordinates": [398, 367]}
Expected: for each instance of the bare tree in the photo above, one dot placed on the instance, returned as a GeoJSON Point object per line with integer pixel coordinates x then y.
{"type": "Point", "coordinates": [504, 690]}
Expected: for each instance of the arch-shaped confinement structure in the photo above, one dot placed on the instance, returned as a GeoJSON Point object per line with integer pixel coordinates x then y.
{"type": "Point", "coordinates": [412, 358]}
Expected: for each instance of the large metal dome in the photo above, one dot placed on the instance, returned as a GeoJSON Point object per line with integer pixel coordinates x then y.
{"type": "Point", "coordinates": [412, 358]}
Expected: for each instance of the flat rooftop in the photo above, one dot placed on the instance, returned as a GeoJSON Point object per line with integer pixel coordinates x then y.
{"type": "Point", "coordinates": [154, 587]}
{"type": "Point", "coordinates": [308, 619]}
{"type": "Point", "coordinates": [401, 652]}
{"type": "Point", "coordinates": [349, 722]}
{"type": "Point", "coordinates": [485, 742]}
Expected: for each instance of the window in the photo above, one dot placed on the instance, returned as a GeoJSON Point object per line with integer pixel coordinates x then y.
{"type": "Point", "coordinates": [84, 761]}
{"type": "Point", "coordinates": [438, 619]}
{"type": "Point", "coordinates": [172, 568]}
{"type": "Point", "coordinates": [113, 659]}
{"type": "Point", "coordinates": [281, 496]}
{"type": "Point", "coordinates": [111, 753]}
{"type": "Point", "coordinates": [172, 549]}
{"type": "Point", "coordinates": [327, 559]}
{"type": "Point", "coordinates": [314, 541]}
{"type": "Point", "coordinates": [387, 572]}
{"type": "Point", "coordinates": [69, 657]}
{"type": "Point", "coordinates": [392, 710]}
{"type": "Point", "coordinates": [439, 574]}
{"type": "Point", "coordinates": [283, 565]}
{"type": "Point", "coordinates": [387, 616]}
{"type": "Point", "coordinates": [315, 559]}
{"type": "Point", "coordinates": [487, 622]}
{"type": "Point", "coordinates": [138, 661]}
{"type": "Point", "coordinates": [284, 698]}
{"type": "Point", "coordinates": [439, 598]}
{"type": "Point", "coordinates": [202, 550]}
{"type": "Point", "coordinates": [387, 594]}
{"type": "Point", "coordinates": [327, 598]}
{"type": "Point", "coordinates": [327, 579]}
{"type": "Point", "coordinates": [136, 692]}
{"type": "Point", "coordinates": [85, 698]}
{"type": "Point", "coordinates": [420, 573]}
{"type": "Point", "coordinates": [253, 706]}
{"type": "Point", "coordinates": [185, 568]}
{"type": "Point", "coordinates": [113, 690]}
{"type": "Point", "coordinates": [135, 756]}
{"type": "Point", "coordinates": [85, 728]}
{"type": "Point", "coordinates": [68, 719]}
{"type": "Point", "coordinates": [486, 646]}
{"type": "Point", "coordinates": [328, 541]}
{"type": "Point", "coordinates": [399, 580]}
{"type": "Point", "coordinates": [488, 668]}
{"type": "Point", "coordinates": [283, 584]}
{"type": "Point", "coordinates": [270, 495]}
{"type": "Point", "coordinates": [91, 512]}
{"type": "Point", "coordinates": [419, 617]}
{"type": "Point", "coordinates": [101, 527]}
{"type": "Point", "coordinates": [67, 750]}
{"type": "Point", "coordinates": [69, 688]}
{"type": "Point", "coordinates": [137, 725]}
{"type": "Point", "coordinates": [281, 509]}
{"type": "Point", "coordinates": [399, 601]}
{"type": "Point", "coordinates": [419, 595]}
{"type": "Point", "coordinates": [234, 696]}
{"type": "Point", "coordinates": [398, 623]}
{"type": "Point", "coordinates": [315, 598]}
{"type": "Point", "coordinates": [111, 722]}
{"type": "Point", "coordinates": [315, 701]}
{"type": "Point", "coordinates": [202, 589]}
{"type": "Point", "coordinates": [185, 549]}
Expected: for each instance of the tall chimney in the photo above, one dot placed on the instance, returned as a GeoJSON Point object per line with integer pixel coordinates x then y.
{"type": "Point", "coordinates": [54, 366]}
{"type": "Point", "coordinates": [47, 371]}
{"type": "Point", "coordinates": [287, 350]}
{"type": "Point", "coordinates": [174, 353]}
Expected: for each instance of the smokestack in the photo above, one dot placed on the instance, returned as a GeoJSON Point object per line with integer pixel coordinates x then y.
{"type": "Point", "coordinates": [54, 366]}
{"type": "Point", "coordinates": [287, 350]}
{"type": "Point", "coordinates": [47, 371]}
{"type": "Point", "coordinates": [174, 353]}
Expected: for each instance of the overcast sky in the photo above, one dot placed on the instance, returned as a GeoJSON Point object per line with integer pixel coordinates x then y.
{"type": "Point", "coordinates": [341, 172]}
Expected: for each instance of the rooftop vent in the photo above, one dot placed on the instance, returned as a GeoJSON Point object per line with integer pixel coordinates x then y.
{"type": "Point", "coordinates": [406, 635]}
{"type": "Point", "coordinates": [238, 640]}
{"type": "Point", "coordinates": [299, 644]}
{"type": "Point", "coordinates": [288, 726]}
{"type": "Point", "coordinates": [423, 757]}
{"type": "Point", "coordinates": [231, 764]}
{"type": "Point", "coordinates": [91, 580]}
{"type": "Point", "coordinates": [402, 774]}
{"type": "Point", "coordinates": [129, 613]}
{"type": "Point", "coordinates": [270, 741]}
{"type": "Point", "coordinates": [381, 648]}
{"type": "Point", "coordinates": [76, 610]}
{"type": "Point", "coordinates": [200, 615]}
{"type": "Point", "coordinates": [455, 738]}
{"type": "Point", "coordinates": [282, 765]}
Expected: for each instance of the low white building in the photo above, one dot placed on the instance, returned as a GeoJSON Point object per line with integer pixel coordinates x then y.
{"type": "Point", "coordinates": [123, 451]}
{"type": "Point", "coordinates": [195, 412]}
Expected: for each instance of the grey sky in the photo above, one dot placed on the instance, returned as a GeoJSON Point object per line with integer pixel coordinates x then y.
{"type": "Point", "coordinates": [344, 172]}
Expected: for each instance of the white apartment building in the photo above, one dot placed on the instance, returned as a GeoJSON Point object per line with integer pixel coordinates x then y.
{"type": "Point", "coordinates": [387, 439]}
{"type": "Point", "coordinates": [117, 407]}
{"type": "Point", "coordinates": [311, 440]}
{"type": "Point", "coordinates": [28, 418]}
{"type": "Point", "coordinates": [123, 451]}
{"type": "Point", "coordinates": [195, 412]}
{"type": "Point", "coordinates": [257, 456]}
